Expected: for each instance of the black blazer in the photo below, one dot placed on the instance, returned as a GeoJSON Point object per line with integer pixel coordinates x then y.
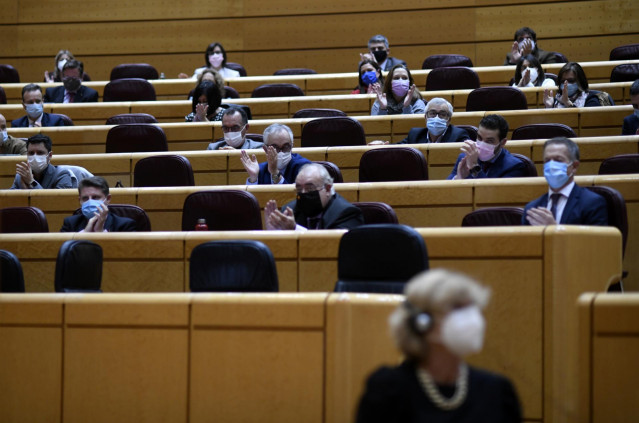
{"type": "Point", "coordinates": [583, 207]}
{"type": "Point", "coordinates": [420, 135]}
{"type": "Point", "coordinates": [48, 119]}
{"type": "Point", "coordinates": [83, 95]}
{"type": "Point", "coordinates": [114, 223]}
{"type": "Point", "coordinates": [338, 214]}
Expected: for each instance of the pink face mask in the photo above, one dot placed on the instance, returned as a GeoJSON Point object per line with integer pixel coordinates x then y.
{"type": "Point", "coordinates": [400, 87]}
{"type": "Point", "coordinates": [216, 59]}
{"type": "Point", "coordinates": [485, 150]}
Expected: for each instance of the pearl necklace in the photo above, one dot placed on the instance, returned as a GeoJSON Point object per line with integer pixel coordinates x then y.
{"type": "Point", "coordinates": [431, 390]}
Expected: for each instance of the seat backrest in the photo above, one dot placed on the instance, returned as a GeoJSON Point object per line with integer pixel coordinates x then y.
{"type": "Point", "coordinates": [530, 169]}
{"type": "Point", "coordinates": [142, 221]}
{"type": "Point", "coordinates": [11, 276]}
{"type": "Point", "coordinates": [333, 132]}
{"type": "Point", "coordinates": [9, 74]}
{"type": "Point", "coordinates": [617, 213]}
{"type": "Point", "coordinates": [163, 171]}
{"type": "Point", "coordinates": [244, 107]}
{"type": "Point", "coordinates": [224, 210]}
{"type": "Point", "coordinates": [496, 98]}
{"type": "Point", "coordinates": [559, 57]}
{"type": "Point", "coordinates": [230, 92]}
{"type": "Point", "coordinates": [332, 170]}
{"type": "Point", "coordinates": [129, 89]}
{"type": "Point", "coordinates": [625, 52]}
{"type": "Point", "coordinates": [472, 131]}
{"type": "Point", "coordinates": [379, 258]}
{"type": "Point", "coordinates": [236, 67]}
{"type": "Point", "coordinates": [134, 70]}
{"type": "Point", "coordinates": [78, 267]}
{"type": "Point", "coordinates": [552, 76]}
{"type": "Point", "coordinates": [315, 113]}
{"type": "Point", "coordinates": [295, 71]}
{"type": "Point", "coordinates": [494, 216]}
{"type": "Point", "coordinates": [3, 96]}
{"type": "Point", "coordinates": [536, 131]}
{"type": "Point", "coordinates": [66, 119]}
{"type": "Point", "coordinates": [232, 266]}
{"type": "Point", "coordinates": [375, 212]}
{"type": "Point", "coordinates": [26, 219]}
{"type": "Point", "coordinates": [77, 173]}
{"type": "Point", "coordinates": [620, 164]}
{"type": "Point", "coordinates": [391, 164]}
{"type": "Point", "coordinates": [445, 60]}
{"type": "Point", "coordinates": [277, 90]}
{"type": "Point", "coordinates": [135, 138]}
{"type": "Point", "coordinates": [452, 78]}
{"type": "Point", "coordinates": [125, 118]}
{"type": "Point", "coordinates": [625, 73]}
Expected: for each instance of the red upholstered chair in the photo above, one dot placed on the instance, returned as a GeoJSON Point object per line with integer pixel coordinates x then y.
{"type": "Point", "coordinates": [125, 118]}
{"type": "Point", "coordinates": [332, 132]}
{"type": "Point", "coordinates": [496, 98]}
{"type": "Point", "coordinates": [494, 216]}
{"type": "Point", "coordinates": [295, 71]}
{"type": "Point", "coordinates": [136, 138]}
{"type": "Point", "coordinates": [142, 221]}
{"type": "Point", "coordinates": [531, 170]}
{"type": "Point", "coordinates": [625, 52]}
{"type": "Point", "coordinates": [129, 89]}
{"type": "Point", "coordinates": [446, 60]}
{"type": "Point", "coordinates": [163, 171]}
{"type": "Point", "coordinates": [314, 113]}
{"type": "Point", "coordinates": [452, 78]}
{"type": "Point", "coordinates": [620, 164]}
{"type": "Point", "coordinates": [11, 276]}
{"type": "Point", "coordinates": [617, 213]}
{"type": "Point", "coordinates": [224, 210]}
{"type": "Point", "coordinates": [15, 220]}
{"type": "Point", "coordinates": [236, 67]}
{"type": "Point", "coordinates": [277, 90]}
{"type": "Point", "coordinates": [375, 212]}
{"type": "Point", "coordinates": [536, 131]}
{"type": "Point", "coordinates": [3, 96]}
{"type": "Point", "coordinates": [333, 170]}
{"type": "Point", "coordinates": [134, 70]}
{"type": "Point", "coordinates": [472, 131]}
{"type": "Point", "coordinates": [230, 92]}
{"type": "Point", "coordinates": [9, 74]}
{"type": "Point", "coordinates": [625, 73]}
{"type": "Point", "coordinates": [392, 164]}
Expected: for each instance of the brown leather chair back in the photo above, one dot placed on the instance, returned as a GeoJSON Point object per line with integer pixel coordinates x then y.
{"type": "Point", "coordinates": [452, 78]}
{"type": "Point", "coordinates": [617, 213]}
{"type": "Point", "coordinates": [494, 216]}
{"type": "Point", "coordinates": [625, 52]}
{"type": "Point", "coordinates": [332, 132]}
{"type": "Point", "coordinates": [392, 164]}
{"type": "Point", "coordinates": [15, 220]}
{"type": "Point", "coordinates": [224, 210]}
{"type": "Point", "coordinates": [620, 164]}
{"type": "Point", "coordinates": [129, 89]}
{"type": "Point", "coordinates": [295, 71]}
{"type": "Point", "coordinates": [277, 90]}
{"type": "Point", "coordinates": [125, 118]}
{"type": "Point", "coordinates": [531, 170]}
{"type": "Point", "coordinates": [446, 60]}
{"type": "Point", "coordinates": [236, 67]}
{"type": "Point", "coordinates": [135, 138]}
{"type": "Point", "coordinates": [315, 113]}
{"type": "Point", "coordinates": [332, 170]}
{"type": "Point", "coordinates": [375, 212]}
{"type": "Point", "coordinates": [625, 73]}
{"type": "Point", "coordinates": [496, 98]}
{"type": "Point", "coordinates": [134, 70]}
{"type": "Point", "coordinates": [536, 131]}
{"type": "Point", "coordinates": [9, 74]}
{"type": "Point", "coordinates": [163, 171]}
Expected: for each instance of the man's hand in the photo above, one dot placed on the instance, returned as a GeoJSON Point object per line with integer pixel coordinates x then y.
{"type": "Point", "coordinates": [275, 219]}
{"type": "Point", "coordinates": [367, 56]}
{"type": "Point", "coordinates": [468, 161]}
{"type": "Point", "coordinates": [26, 176]}
{"type": "Point", "coordinates": [271, 158]}
{"type": "Point", "coordinates": [372, 88]}
{"type": "Point", "coordinates": [515, 53]}
{"type": "Point", "coordinates": [540, 216]}
{"type": "Point", "coordinates": [409, 96]}
{"type": "Point", "coordinates": [182, 75]}
{"type": "Point", "coordinates": [48, 77]}
{"type": "Point", "coordinates": [381, 97]}
{"type": "Point", "coordinates": [378, 142]}
{"type": "Point", "coordinates": [251, 165]}
{"type": "Point", "coordinates": [96, 223]}
{"type": "Point", "coordinates": [201, 111]}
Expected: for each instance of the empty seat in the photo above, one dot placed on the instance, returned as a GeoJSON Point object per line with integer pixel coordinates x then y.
{"type": "Point", "coordinates": [9, 75]}
{"type": "Point", "coordinates": [136, 137]}
{"type": "Point", "coordinates": [617, 213]}
{"type": "Point", "coordinates": [315, 113]}
{"type": "Point", "coordinates": [472, 131]}
{"type": "Point", "coordinates": [625, 73]}
{"type": "Point", "coordinates": [530, 168]}
{"type": "Point", "coordinates": [129, 89]}
{"type": "Point", "coordinates": [11, 276]}
{"type": "Point", "coordinates": [230, 92]}
{"type": "Point", "coordinates": [452, 78]}
{"type": "Point", "coordinates": [26, 219]}
{"type": "Point", "coordinates": [332, 132]}
{"type": "Point", "coordinates": [134, 70]}
{"type": "Point", "coordinates": [379, 258]}
{"type": "Point", "coordinates": [295, 71]}
{"type": "Point", "coordinates": [277, 90]}
{"type": "Point", "coordinates": [620, 164]}
{"type": "Point", "coordinates": [332, 170]}
{"type": "Point", "coordinates": [125, 118]}
{"type": "Point", "coordinates": [390, 164]}
{"type": "Point", "coordinates": [142, 221]}
{"type": "Point", "coordinates": [375, 212]}
{"type": "Point", "coordinates": [536, 131]}
{"type": "Point", "coordinates": [78, 267]}
{"type": "Point", "coordinates": [232, 266]}
{"type": "Point", "coordinates": [3, 96]}
{"type": "Point", "coordinates": [223, 210]}
{"type": "Point", "coordinates": [66, 119]}
{"type": "Point", "coordinates": [625, 52]}
{"type": "Point", "coordinates": [552, 76]}
{"type": "Point", "coordinates": [163, 171]}
{"type": "Point", "coordinates": [496, 98]}
{"type": "Point", "coordinates": [236, 67]}
{"type": "Point", "coordinates": [559, 58]}
{"type": "Point", "coordinates": [446, 60]}
{"type": "Point", "coordinates": [494, 216]}
{"type": "Point", "coordinates": [77, 173]}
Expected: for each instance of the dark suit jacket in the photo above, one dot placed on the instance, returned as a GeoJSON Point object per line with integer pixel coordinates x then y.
{"type": "Point", "coordinates": [393, 61]}
{"type": "Point", "coordinates": [83, 95]}
{"type": "Point", "coordinates": [505, 166]}
{"type": "Point", "coordinates": [114, 223]}
{"type": "Point", "coordinates": [542, 55]}
{"type": "Point", "coordinates": [338, 214]}
{"type": "Point", "coordinates": [420, 135]}
{"type": "Point", "coordinates": [630, 125]}
{"type": "Point", "coordinates": [584, 207]}
{"type": "Point", "coordinates": [289, 174]}
{"type": "Point", "coordinates": [48, 119]}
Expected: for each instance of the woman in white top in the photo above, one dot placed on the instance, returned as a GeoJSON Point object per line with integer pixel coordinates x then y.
{"type": "Point", "coordinates": [215, 57]}
{"type": "Point", "coordinates": [529, 73]}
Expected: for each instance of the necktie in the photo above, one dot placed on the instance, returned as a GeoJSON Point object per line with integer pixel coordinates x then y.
{"type": "Point", "coordinates": [553, 208]}
{"type": "Point", "coordinates": [71, 97]}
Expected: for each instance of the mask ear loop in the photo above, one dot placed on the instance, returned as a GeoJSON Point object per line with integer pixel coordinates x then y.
{"type": "Point", "coordinates": [419, 321]}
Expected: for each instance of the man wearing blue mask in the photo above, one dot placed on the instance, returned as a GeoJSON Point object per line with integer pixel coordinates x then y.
{"type": "Point", "coordinates": [95, 217]}
{"type": "Point", "coordinates": [32, 104]}
{"type": "Point", "coordinates": [631, 123]}
{"type": "Point", "coordinates": [38, 172]}
{"type": "Point", "coordinates": [565, 202]}
{"type": "Point", "coordinates": [438, 127]}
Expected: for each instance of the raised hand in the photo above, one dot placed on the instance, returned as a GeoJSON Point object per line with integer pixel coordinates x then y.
{"type": "Point", "coordinates": [381, 97]}
{"type": "Point", "coordinates": [409, 96]}
{"type": "Point", "coordinates": [201, 110]}
{"type": "Point", "coordinates": [251, 165]}
{"type": "Point", "coordinates": [549, 98]}
{"type": "Point", "coordinates": [515, 53]}
{"type": "Point", "coordinates": [26, 176]}
{"type": "Point", "coordinates": [525, 78]}
{"type": "Point", "coordinates": [271, 158]}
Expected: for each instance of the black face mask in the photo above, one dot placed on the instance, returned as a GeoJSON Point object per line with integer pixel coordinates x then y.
{"type": "Point", "coordinates": [309, 203]}
{"type": "Point", "coordinates": [72, 84]}
{"type": "Point", "coordinates": [380, 55]}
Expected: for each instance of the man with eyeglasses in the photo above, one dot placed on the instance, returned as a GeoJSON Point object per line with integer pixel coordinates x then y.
{"type": "Point", "coordinates": [317, 205]}
{"type": "Point", "coordinates": [234, 125]}
{"type": "Point", "coordinates": [281, 166]}
{"type": "Point", "coordinates": [526, 43]}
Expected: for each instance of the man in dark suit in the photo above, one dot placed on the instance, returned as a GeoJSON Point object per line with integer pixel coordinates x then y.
{"type": "Point", "coordinates": [378, 47]}
{"type": "Point", "coordinates": [32, 104]}
{"type": "Point", "coordinates": [94, 199]}
{"type": "Point", "coordinates": [525, 44]}
{"type": "Point", "coordinates": [438, 127]}
{"type": "Point", "coordinates": [487, 157]}
{"type": "Point", "coordinates": [631, 123]}
{"type": "Point", "coordinates": [38, 172]}
{"type": "Point", "coordinates": [565, 202]}
{"type": "Point", "coordinates": [317, 206]}
{"type": "Point", "coordinates": [72, 90]}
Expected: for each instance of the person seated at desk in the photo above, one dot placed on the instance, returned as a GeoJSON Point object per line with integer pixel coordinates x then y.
{"type": "Point", "coordinates": [214, 57]}
{"type": "Point", "coordinates": [370, 77]}
{"type": "Point", "coordinates": [573, 90]}
{"type": "Point", "coordinates": [487, 157]}
{"type": "Point", "coordinates": [235, 126]}
{"type": "Point", "coordinates": [206, 103]}
{"type": "Point", "coordinates": [72, 90]}
{"type": "Point", "coordinates": [399, 94]}
{"type": "Point", "coordinates": [94, 199]}
{"type": "Point", "coordinates": [32, 103]}
{"type": "Point", "coordinates": [281, 166]}
{"type": "Point", "coordinates": [631, 123]}
{"type": "Point", "coordinates": [378, 47]}
{"type": "Point", "coordinates": [529, 73]}
{"type": "Point", "coordinates": [38, 172]}
{"type": "Point", "coordinates": [317, 206]}
{"type": "Point", "coordinates": [525, 44]}
{"type": "Point", "coordinates": [9, 144]}
{"type": "Point", "coordinates": [211, 75]}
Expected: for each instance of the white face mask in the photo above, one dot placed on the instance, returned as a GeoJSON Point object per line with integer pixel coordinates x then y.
{"type": "Point", "coordinates": [234, 139]}
{"type": "Point", "coordinates": [5, 136]}
{"type": "Point", "coordinates": [534, 74]}
{"type": "Point", "coordinates": [61, 64]}
{"type": "Point", "coordinates": [283, 160]}
{"type": "Point", "coordinates": [38, 162]}
{"type": "Point", "coordinates": [462, 331]}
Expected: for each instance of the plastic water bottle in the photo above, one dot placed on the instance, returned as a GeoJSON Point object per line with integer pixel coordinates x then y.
{"type": "Point", "coordinates": [201, 225]}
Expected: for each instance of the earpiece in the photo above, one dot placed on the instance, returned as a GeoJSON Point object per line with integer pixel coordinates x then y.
{"type": "Point", "coordinates": [419, 321]}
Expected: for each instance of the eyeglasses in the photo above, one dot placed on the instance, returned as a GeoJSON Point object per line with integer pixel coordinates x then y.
{"type": "Point", "coordinates": [234, 128]}
{"type": "Point", "coordinates": [286, 148]}
{"type": "Point", "coordinates": [308, 188]}
{"type": "Point", "coordinates": [442, 114]}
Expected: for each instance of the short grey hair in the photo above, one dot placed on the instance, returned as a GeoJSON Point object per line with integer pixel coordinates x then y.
{"type": "Point", "coordinates": [275, 128]}
{"type": "Point", "coordinates": [571, 146]}
{"type": "Point", "coordinates": [379, 38]}
{"type": "Point", "coordinates": [436, 102]}
{"type": "Point", "coordinates": [324, 175]}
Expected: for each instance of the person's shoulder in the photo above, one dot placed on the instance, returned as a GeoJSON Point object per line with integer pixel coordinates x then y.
{"type": "Point", "coordinates": [216, 145]}
{"type": "Point", "coordinates": [21, 122]}
{"type": "Point", "coordinates": [389, 377]}
{"type": "Point", "coordinates": [457, 134]}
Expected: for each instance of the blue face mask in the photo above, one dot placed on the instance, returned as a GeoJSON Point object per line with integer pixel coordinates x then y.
{"type": "Point", "coordinates": [572, 89]}
{"type": "Point", "coordinates": [90, 208]}
{"type": "Point", "coordinates": [34, 110]}
{"type": "Point", "coordinates": [556, 174]}
{"type": "Point", "coordinates": [636, 111]}
{"type": "Point", "coordinates": [436, 126]}
{"type": "Point", "coordinates": [369, 77]}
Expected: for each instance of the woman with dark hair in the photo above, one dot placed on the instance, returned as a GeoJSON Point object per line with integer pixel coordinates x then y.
{"type": "Point", "coordinates": [370, 74]}
{"type": "Point", "coordinates": [573, 90]}
{"type": "Point", "coordinates": [399, 95]}
{"type": "Point", "coordinates": [206, 103]}
{"type": "Point", "coordinates": [210, 75]}
{"type": "Point", "coordinates": [529, 73]}
{"type": "Point", "coordinates": [215, 57]}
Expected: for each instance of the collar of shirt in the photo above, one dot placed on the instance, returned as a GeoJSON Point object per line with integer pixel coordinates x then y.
{"type": "Point", "coordinates": [561, 204]}
{"type": "Point", "coordinates": [32, 122]}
